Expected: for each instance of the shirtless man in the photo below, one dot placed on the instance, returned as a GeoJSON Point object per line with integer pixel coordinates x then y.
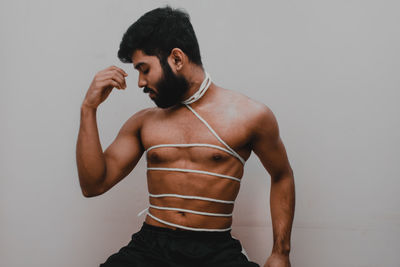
{"type": "Point", "coordinates": [196, 141]}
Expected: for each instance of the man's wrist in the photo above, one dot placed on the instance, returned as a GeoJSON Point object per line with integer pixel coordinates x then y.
{"type": "Point", "coordinates": [280, 254]}
{"type": "Point", "coordinates": [281, 250]}
{"type": "Point", "coordinates": [87, 107]}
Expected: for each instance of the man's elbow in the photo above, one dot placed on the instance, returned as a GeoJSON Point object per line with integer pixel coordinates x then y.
{"type": "Point", "coordinates": [282, 175]}
{"type": "Point", "coordinates": [89, 192]}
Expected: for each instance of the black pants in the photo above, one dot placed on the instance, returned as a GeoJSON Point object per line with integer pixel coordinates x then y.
{"type": "Point", "coordinates": [162, 247]}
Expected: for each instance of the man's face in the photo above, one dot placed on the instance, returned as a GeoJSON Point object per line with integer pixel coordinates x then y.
{"type": "Point", "coordinates": [156, 77]}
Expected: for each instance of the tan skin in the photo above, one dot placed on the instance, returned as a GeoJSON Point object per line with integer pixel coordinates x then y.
{"type": "Point", "coordinates": [244, 124]}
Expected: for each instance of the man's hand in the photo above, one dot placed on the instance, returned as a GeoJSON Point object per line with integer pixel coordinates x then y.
{"type": "Point", "coordinates": [278, 260]}
{"type": "Point", "coordinates": [103, 83]}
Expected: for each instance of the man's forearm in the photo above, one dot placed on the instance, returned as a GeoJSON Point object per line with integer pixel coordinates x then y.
{"type": "Point", "coordinates": [89, 153]}
{"type": "Point", "coordinates": [282, 201]}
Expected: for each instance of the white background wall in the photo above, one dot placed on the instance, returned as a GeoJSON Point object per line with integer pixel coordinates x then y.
{"type": "Point", "coordinates": [328, 69]}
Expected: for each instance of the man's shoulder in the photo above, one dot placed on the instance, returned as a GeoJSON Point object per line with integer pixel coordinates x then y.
{"type": "Point", "coordinates": [250, 108]}
{"type": "Point", "coordinates": [135, 122]}
{"type": "Point", "coordinates": [255, 116]}
{"type": "Point", "coordinates": [143, 114]}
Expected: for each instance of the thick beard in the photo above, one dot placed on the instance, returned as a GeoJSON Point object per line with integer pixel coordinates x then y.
{"type": "Point", "coordinates": [171, 88]}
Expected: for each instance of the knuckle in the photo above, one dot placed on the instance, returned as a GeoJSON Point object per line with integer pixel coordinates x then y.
{"type": "Point", "coordinates": [98, 79]}
{"type": "Point", "coordinates": [114, 73]}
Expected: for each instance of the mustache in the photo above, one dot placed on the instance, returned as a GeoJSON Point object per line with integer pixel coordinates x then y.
{"type": "Point", "coordinates": [148, 90]}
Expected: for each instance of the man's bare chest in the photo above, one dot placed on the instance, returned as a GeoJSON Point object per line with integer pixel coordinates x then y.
{"type": "Point", "coordinates": [184, 127]}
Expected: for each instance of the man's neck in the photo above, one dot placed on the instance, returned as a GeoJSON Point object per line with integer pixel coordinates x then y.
{"type": "Point", "coordinates": [195, 77]}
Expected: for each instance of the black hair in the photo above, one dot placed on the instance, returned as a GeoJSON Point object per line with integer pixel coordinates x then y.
{"type": "Point", "coordinates": [159, 31]}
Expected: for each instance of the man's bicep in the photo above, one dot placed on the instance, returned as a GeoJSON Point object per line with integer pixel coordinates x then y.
{"type": "Point", "coordinates": [122, 155]}
{"type": "Point", "coordinates": [268, 146]}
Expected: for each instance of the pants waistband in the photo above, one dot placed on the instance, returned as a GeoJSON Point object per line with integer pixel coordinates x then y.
{"type": "Point", "coordinates": [184, 233]}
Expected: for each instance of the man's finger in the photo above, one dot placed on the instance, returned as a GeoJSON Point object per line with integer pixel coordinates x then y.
{"type": "Point", "coordinates": [111, 83]}
{"type": "Point", "coordinates": [119, 78]}
{"type": "Point", "coordinates": [121, 84]}
{"type": "Point", "coordinates": [123, 73]}
{"type": "Point", "coordinates": [115, 76]}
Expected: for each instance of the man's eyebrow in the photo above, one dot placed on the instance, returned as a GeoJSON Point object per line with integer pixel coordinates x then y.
{"type": "Point", "coordinates": [138, 65]}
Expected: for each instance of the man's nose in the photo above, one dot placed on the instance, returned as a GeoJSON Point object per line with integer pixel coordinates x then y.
{"type": "Point", "coordinates": [141, 82]}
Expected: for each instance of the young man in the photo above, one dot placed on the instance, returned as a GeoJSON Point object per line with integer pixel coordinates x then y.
{"type": "Point", "coordinates": [196, 141]}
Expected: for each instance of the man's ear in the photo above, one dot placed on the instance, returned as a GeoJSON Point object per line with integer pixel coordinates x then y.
{"type": "Point", "coordinates": [177, 59]}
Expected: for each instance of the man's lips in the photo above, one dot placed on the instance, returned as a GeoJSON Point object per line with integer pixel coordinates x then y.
{"type": "Point", "coordinates": [152, 93]}
{"type": "Point", "coordinates": [148, 90]}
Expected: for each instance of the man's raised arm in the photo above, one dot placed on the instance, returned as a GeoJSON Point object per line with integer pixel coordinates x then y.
{"type": "Point", "coordinates": [98, 171]}
{"type": "Point", "coordinates": [268, 146]}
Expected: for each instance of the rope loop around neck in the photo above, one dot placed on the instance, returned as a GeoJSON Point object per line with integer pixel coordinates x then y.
{"type": "Point", "coordinates": [200, 92]}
